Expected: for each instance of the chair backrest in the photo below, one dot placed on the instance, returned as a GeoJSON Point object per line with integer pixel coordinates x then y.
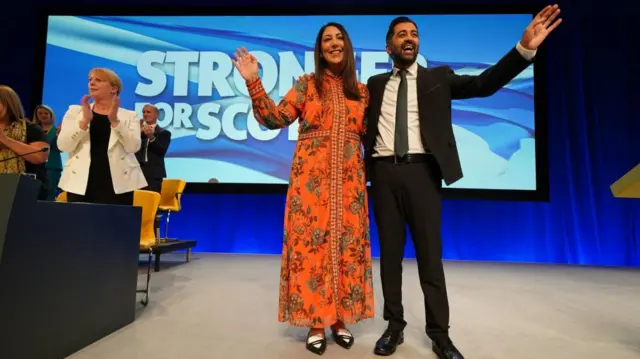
{"type": "Point", "coordinates": [62, 197]}
{"type": "Point", "coordinates": [172, 194]}
{"type": "Point", "coordinates": [149, 201]}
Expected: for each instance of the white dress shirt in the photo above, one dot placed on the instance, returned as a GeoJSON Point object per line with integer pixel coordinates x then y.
{"type": "Point", "coordinates": [386, 123]}
{"type": "Point", "coordinates": [148, 140]}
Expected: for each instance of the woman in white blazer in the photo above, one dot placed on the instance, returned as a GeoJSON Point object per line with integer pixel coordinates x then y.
{"type": "Point", "coordinates": [101, 140]}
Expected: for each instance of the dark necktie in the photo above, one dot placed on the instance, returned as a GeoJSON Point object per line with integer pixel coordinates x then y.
{"type": "Point", "coordinates": [401, 136]}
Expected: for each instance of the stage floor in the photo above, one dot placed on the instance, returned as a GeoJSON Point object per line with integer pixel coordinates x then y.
{"type": "Point", "coordinates": [224, 306]}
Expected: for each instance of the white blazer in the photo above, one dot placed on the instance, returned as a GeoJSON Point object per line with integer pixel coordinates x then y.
{"type": "Point", "coordinates": [124, 142]}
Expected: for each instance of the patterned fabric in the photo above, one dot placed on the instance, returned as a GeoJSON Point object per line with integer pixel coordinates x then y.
{"type": "Point", "coordinates": [326, 272]}
{"type": "Point", "coordinates": [16, 131]}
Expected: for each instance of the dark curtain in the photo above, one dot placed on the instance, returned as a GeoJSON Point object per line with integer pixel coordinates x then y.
{"type": "Point", "coordinates": [594, 138]}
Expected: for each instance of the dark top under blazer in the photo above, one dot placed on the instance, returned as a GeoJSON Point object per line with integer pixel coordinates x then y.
{"type": "Point", "coordinates": [436, 88]}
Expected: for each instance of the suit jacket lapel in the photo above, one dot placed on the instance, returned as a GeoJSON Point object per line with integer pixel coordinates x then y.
{"type": "Point", "coordinates": [424, 85]}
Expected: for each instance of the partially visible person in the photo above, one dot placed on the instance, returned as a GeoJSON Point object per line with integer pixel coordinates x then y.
{"type": "Point", "coordinates": [43, 115]}
{"type": "Point", "coordinates": [155, 143]}
{"type": "Point", "coordinates": [325, 280]}
{"type": "Point", "coordinates": [20, 139]}
{"type": "Point", "coordinates": [101, 139]}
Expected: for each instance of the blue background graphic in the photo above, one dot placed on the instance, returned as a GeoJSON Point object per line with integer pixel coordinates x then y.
{"type": "Point", "coordinates": [495, 135]}
{"type": "Point", "coordinates": [593, 132]}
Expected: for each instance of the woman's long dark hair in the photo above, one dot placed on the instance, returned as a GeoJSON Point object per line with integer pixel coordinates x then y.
{"type": "Point", "coordinates": [348, 70]}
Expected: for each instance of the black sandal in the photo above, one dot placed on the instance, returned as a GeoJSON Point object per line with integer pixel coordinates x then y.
{"type": "Point", "coordinates": [316, 346]}
{"type": "Point", "coordinates": [343, 337]}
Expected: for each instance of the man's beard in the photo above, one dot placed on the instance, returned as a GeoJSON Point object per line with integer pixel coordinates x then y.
{"type": "Point", "coordinates": [399, 59]}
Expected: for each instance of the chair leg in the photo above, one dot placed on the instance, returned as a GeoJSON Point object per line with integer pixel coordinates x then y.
{"type": "Point", "coordinates": [145, 300]}
{"type": "Point", "coordinates": [188, 255]}
{"type": "Point", "coordinates": [157, 267]}
{"type": "Point", "coordinates": [156, 224]}
{"type": "Point", "coordinates": [166, 227]}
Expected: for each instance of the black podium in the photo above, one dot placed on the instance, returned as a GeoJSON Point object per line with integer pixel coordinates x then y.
{"type": "Point", "coordinates": [68, 271]}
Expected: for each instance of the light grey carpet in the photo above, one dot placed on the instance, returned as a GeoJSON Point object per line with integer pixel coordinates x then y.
{"type": "Point", "coordinates": [224, 306]}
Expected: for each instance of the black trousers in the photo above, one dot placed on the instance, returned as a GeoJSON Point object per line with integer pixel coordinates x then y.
{"type": "Point", "coordinates": [154, 184]}
{"type": "Point", "coordinates": [410, 194]}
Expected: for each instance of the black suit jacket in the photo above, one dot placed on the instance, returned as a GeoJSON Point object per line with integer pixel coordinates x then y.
{"type": "Point", "coordinates": [154, 167]}
{"type": "Point", "coordinates": [436, 88]}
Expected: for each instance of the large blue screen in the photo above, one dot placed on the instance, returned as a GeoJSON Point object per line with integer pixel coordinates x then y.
{"type": "Point", "coordinates": [182, 64]}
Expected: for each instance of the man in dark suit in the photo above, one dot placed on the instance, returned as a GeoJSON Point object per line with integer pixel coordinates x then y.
{"type": "Point", "coordinates": [155, 143]}
{"type": "Point", "coordinates": [409, 149]}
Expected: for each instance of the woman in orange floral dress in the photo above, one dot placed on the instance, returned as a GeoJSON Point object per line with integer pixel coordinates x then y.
{"type": "Point", "coordinates": [326, 277]}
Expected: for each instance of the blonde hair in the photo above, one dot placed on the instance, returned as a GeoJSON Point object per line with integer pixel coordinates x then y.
{"type": "Point", "coordinates": [11, 103]}
{"type": "Point", "coordinates": [114, 79]}
{"type": "Point", "coordinates": [36, 119]}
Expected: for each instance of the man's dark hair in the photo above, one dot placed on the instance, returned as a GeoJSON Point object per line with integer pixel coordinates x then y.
{"type": "Point", "coordinates": [392, 26]}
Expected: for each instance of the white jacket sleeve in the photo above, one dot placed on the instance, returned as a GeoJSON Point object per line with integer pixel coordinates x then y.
{"type": "Point", "coordinates": [70, 132]}
{"type": "Point", "coordinates": [128, 132]}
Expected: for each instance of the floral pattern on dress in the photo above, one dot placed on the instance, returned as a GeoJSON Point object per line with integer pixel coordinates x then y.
{"type": "Point", "coordinates": [326, 272]}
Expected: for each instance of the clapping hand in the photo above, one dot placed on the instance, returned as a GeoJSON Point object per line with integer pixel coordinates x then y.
{"type": "Point", "coordinates": [87, 114]}
{"type": "Point", "coordinates": [148, 131]}
{"type": "Point", "coordinates": [246, 64]}
{"type": "Point", "coordinates": [540, 27]}
{"type": "Point", "coordinates": [113, 110]}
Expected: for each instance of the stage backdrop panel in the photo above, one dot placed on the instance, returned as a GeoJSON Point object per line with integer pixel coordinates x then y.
{"type": "Point", "coordinates": [182, 64]}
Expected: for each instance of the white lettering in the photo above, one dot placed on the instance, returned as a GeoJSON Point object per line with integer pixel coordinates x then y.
{"type": "Point", "coordinates": [209, 70]}
{"type": "Point", "coordinates": [228, 121]}
{"type": "Point", "coordinates": [206, 118]}
{"type": "Point", "coordinates": [421, 61]}
{"type": "Point", "coordinates": [309, 62]}
{"type": "Point", "coordinates": [210, 77]}
{"type": "Point", "coordinates": [181, 114]}
{"type": "Point", "coordinates": [182, 61]}
{"type": "Point", "coordinates": [369, 62]}
{"type": "Point", "coordinates": [157, 76]}
{"type": "Point", "coordinates": [167, 110]}
{"type": "Point", "coordinates": [290, 70]}
{"type": "Point", "coordinates": [293, 131]}
{"type": "Point", "coordinates": [258, 132]}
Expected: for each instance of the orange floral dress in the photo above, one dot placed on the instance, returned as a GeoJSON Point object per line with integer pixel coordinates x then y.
{"type": "Point", "coordinates": [326, 272]}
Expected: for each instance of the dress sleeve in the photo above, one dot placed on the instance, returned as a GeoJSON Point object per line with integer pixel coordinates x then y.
{"type": "Point", "coordinates": [273, 116]}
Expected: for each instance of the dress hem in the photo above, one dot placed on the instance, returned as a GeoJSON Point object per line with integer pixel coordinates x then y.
{"type": "Point", "coordinates": [306, 323]}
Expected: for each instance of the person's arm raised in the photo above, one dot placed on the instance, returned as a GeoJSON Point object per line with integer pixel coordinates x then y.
{"type": "Point", "coordinates": [265, 110]}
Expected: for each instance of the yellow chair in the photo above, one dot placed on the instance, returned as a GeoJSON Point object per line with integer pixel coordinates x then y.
{"type": "Point", "coordinates": [149, 202]}
{"type": "Point", "coordinates": [62, 197]}
{"type": "Point", "coordinates": [171, 200]}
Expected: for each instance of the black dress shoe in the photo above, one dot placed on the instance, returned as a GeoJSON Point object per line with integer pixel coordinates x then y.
{"type": "Point", "coordinates": [316, 346]}
{"type": "Point", "coordinates": [343, 337]}
{"type": "Point", "coordinates": [446, 350]}
{"type": "Point", "coordinates": [388, 343]}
